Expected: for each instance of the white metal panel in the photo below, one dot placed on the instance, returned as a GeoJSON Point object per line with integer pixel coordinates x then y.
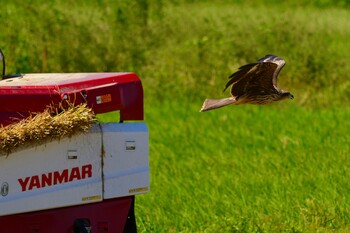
{"type": "Point", "coordinates": [69, 172]}
{"type": "Point", "coordinates": [126, 166]}
{"type": "Point", "coordinates": [59, 173]}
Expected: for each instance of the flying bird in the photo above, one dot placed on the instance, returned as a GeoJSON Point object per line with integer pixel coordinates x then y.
{"type": "Point", "coordinates": [254, 83]}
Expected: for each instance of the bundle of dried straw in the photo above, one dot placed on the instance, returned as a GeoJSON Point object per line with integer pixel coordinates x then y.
{"type": "Point", "coordinates": [46, 126]}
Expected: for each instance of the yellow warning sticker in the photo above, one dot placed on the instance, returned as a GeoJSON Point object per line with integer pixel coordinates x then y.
{"type": "Point", "coordinates": [91, 198]}
{"type": "Point", "coordinates": [138, 190]}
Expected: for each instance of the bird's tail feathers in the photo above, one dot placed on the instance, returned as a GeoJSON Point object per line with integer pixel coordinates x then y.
{"type": "Point", "coordinates": [210, 104]}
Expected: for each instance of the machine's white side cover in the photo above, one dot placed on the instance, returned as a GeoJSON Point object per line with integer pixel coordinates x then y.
{"type": "Point", "coordinates": [59, 173]}
{"type": "Point", "coordinates": [126, 167]}
{"type": "Point", "coordinates": [108, 162]}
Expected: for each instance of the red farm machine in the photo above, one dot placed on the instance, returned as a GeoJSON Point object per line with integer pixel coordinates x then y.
{"type": "Point", "coordinates": [85, 183]}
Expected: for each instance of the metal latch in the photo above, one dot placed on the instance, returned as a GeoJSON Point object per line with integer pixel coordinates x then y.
{"type": "Point", "coordinates": [130, 145]}
{"type": "Point", "coordinates": [72, 154]}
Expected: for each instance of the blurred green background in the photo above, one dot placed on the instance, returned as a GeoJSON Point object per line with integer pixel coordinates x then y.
{"type": "Point", "coordinates": [184, 48]}
{"type": "Point", "coordinates": [275, 168]}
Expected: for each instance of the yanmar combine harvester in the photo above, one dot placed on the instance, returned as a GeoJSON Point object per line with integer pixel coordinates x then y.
{"type": "Point", "coordinates": [85, 183]}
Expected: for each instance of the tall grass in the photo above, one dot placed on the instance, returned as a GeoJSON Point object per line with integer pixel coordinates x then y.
{"type": "Point", "coordinates": [180, 47]}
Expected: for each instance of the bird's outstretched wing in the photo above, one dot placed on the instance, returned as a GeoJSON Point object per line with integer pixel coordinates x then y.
{"type": "Point", "coordinates": [276, 60]}
{"type": "Point", "coordinates": [258, 76]}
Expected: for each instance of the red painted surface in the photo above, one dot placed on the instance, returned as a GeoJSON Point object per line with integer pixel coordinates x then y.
{"type": "Point", "coordinates": [119, 91]}
{"type": "Point", "coordinates": [107, 216]}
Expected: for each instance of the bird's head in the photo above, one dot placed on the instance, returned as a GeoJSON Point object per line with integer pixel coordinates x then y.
{"type": "Point", "coordinates": [287, 95]}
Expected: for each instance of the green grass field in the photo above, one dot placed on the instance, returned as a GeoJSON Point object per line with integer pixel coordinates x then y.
{"type": "Point", "coordinates": [275, 168]}
{"type": "Point", "coordinates": [278, 168]}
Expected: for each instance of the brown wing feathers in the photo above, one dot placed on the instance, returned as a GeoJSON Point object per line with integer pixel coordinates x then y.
{"type": "Point", "coordinates": [255, 74]}
{"type": "Point", "coordinates": [238, 75]}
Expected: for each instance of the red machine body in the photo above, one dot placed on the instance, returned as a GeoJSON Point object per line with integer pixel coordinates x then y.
{"type": "Point", "coordinates": [103, 92]}
{"type": "Point", "coordinates": [107, 216]}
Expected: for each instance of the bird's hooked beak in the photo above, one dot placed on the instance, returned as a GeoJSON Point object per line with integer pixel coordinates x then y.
{"type": "Point", "coordinates": [287, 95]}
